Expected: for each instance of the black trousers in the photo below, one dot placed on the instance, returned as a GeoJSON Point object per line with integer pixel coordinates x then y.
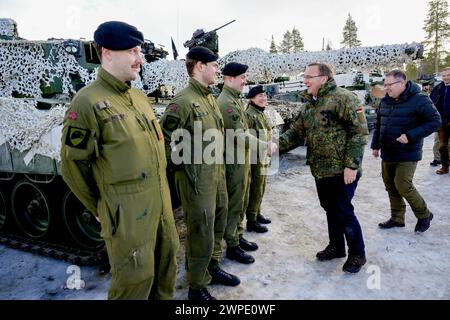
{"type": "Point", "coordinates": [336, 198]}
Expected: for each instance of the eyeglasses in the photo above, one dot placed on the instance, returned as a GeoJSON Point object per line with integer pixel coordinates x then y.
{"type": "Point", "coordinates": [387, 85]}
{"type": "Point", "coordinates": [310, 77]}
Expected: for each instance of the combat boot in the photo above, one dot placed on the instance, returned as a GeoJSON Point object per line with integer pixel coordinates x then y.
{"type": "Point", "coordinates": [329, 253]}
{"type": "Point", "coordinates": [220, 276]}
{"type": "Point", "coordinates": [247, 245]}
{"type": "Point", "coordinates": [435, 163]}
{"type": "Point", "coordinates": [261, 219]}
{"type": "Point", "coordinates": [443, 170]}
{"type": "Point", "coordinates": [256, 227]}
{"type": "Point", "coordinates": [200, 295]}
{"type": "Point", "coordinates": [239, 255]}
{"type": "Point", "coordinates": [423, 224]}
{"type": "Point", "coordinates": [390, 224]}
{"type": "Point", "coordinates": [354, 264]}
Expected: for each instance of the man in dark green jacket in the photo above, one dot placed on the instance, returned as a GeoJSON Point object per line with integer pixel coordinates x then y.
{"type": "Point", "coordinates": [113, 159]}
{"type": "Point", "coordinates": [335, 128]}
{"type": "Point", "coordinates": [194, 116]}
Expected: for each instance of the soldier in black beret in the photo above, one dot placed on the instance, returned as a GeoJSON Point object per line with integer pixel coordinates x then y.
{"type": "Point", "coordinates": [255, 91]}
{"type": "Point", "coordinates": [202, 54]}
{"type": "Point", "coordinates": [107, 122]}
{"type": "Point", "coordinates": [234, 69]}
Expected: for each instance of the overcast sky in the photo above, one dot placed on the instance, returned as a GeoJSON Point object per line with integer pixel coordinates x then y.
{"type": "Point", "coordinates": [379, 22]}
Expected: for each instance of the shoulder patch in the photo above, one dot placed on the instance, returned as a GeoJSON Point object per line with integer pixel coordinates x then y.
{"type": "Point", "coordinates": [172, 107]}
{"type": "Point", "coordinates": [77, 137]}
{"type": "Point", "coordinates": [171, 122]}
{"type": "Point", "coordinates": [72, 116]}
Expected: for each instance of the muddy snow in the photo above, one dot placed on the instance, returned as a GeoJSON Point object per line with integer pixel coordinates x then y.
{"type": "Point", "coordinates": [400, 263]}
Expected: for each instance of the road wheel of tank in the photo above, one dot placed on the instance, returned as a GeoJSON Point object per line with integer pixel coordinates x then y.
{"type": "Point", "coordinates": [81, 224]}
{"type": "Point", "coordinates": [30, 209]}
{"type": "Point", "coordinates": [2, 210]}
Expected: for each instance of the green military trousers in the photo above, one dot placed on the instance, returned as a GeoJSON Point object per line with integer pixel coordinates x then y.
{"type": "Point", "coordinates": [141, 240]}
{"type": "Point", "coordinates": [238, 191]}
{"type": "Point", "coordinates": [204, 203]}
{"type": "Point", "coordinates": [398, 180]}
{"type": "Point", "coordinates": [257, 188]}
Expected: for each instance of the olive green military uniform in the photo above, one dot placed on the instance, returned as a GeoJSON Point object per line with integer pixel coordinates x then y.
{"type": "Point", "coordinates": [336, 131]}
{"type": "Point", "coordinates": [237, 155]}
{"type": "Point", "coordinates": [200, 185]}
{"type": "Point", "coordinates": [257, 121]}
{"type": "Point", "coordinates": [113, 159]}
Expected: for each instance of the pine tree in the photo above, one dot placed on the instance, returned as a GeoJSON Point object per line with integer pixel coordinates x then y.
{"type": "Point", "coordinates": [437, 29]}
{"type": "Point", "coordinates": [273, 46]}
{"type": "Point", "coordinates": [286, 44]}
{"type": "Point", "coordinates": [297, 41]}
{"type": "Point", "coordinates": [328, 47]}
{"type": "Point", "coordinates": [350, 34]}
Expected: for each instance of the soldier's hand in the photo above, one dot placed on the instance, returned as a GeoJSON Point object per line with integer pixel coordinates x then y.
{"type": "Point", "coordinates": [349, 175]}
{"type": "Point", "coordinates": [376, 153]}
{"type": "Point", "coordinates": [403, 139]}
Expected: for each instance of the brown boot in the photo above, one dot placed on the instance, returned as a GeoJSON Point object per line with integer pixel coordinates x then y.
{"type": "Point", "coordinates": [442, 170]}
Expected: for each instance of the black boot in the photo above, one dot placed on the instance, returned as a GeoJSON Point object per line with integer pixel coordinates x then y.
{"type": "Point", "coordinates": [329, 253]}
{"type": "Point", "coordinates": [247, 245]}
{"type": "Point", "coordinates": [239, 255]}
{"type": "Point", "coordinates": [220, 276]}
{"type": "Point", "coordinates": [261, 219]}
{"type": "Point", "coordinates": [435, 163]}
{"type": "Point", "coordinates": [423, 224]}
{"type": "Point", "coordinates": [354, 264]}
{"type": "Point", "coordinates": [390, 224]}
{"type": "Point", "coordinates": [200, 295]}
{"type": "Point", "coordinates": [256, 227]}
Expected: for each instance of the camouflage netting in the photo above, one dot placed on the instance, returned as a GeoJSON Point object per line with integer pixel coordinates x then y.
{"type": "Point", "coordinates": [8, 28]}
{"type": "Point", "coordinates": [22, 125]}
{"type": "Point", "coordinates": [24, 66]}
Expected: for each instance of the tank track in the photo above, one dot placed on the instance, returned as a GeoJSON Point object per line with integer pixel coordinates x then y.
{"type": "Point", "coordinates": [74, 256]}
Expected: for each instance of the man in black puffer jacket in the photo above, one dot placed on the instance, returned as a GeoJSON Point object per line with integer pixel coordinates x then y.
{"type": "Point", "coordinates": [405, 117]}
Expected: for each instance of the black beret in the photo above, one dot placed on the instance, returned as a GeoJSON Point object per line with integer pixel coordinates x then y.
{"type": "Point", "coordinates": [234, 69]}
{"type": "Point", "coordinates": [255, 91]}
{"type": "Point", "coordinates": [117, 35]}
{"type": "Point", "coordinates": [201, 54]}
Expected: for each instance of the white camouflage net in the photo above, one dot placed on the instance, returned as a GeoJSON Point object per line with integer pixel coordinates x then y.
{"type": "Point", "coordinates": [22, 125]}
{"type": "Point", "coordinates": [24, 65]}
{"type": "Point", "coordinates": [8, 27]}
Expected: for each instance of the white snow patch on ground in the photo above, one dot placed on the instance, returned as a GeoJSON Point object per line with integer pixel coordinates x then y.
{"type": "Point", "coordinates": [410, 265]}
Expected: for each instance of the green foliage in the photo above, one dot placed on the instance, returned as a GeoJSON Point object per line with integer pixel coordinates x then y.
{"type": "Point", "coordinates": [350, 34]}
{"type": "Point", "coordinates": [273, 46]}
{"type": "Point", "coordinates": [437, 30]}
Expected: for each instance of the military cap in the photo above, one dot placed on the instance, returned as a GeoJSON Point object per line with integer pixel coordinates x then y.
{"type": "Point", "coordinates": [233, 69]}
{"type": "Point", "coordinates": [201, 54]}
{"type": "Point", "coordinates": [255, 91]}
{"type": "Point", "coordinates": [117, 35]}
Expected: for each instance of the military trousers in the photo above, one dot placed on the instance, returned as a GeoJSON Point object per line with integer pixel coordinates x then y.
{"type": "Point", "coordinates": [336, 199]}
{"type": "Point", "coordinates": [204, 203]}
{"type": "Point", "coordinates": [141, 240]}
{"type": "Point", "coordinates": [398, 180]}
{"type": "Point", "coordinates": [258, 179]}
{"type": "Point", "coordinates": [444, 139]}
{"type": "Point", "coordinates": [238, 190]}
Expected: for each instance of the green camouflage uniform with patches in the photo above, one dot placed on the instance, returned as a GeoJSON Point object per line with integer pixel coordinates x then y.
{"type": "Point", "coordinates": [200, 186]}
{"type": "Point", "coordinates": [335, 129]}
{"type": "Point", "coordinates": [237, 161]}
{"type": "Point", "coordinates": [113, 159]}
{"type": "Point", "coordinates": [257, 121]}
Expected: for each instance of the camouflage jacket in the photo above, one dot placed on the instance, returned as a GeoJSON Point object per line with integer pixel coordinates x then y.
{"type": "Point", "coordinates": [335, 129]}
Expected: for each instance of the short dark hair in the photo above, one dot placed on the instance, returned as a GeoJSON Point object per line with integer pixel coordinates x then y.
{"type": "Point", "coordinates": [190, 65]}
{"type": "Point", "coordinates": [397, 74]}
{"type": "Point", "coordinates": [324, 69]}
{"type": "Point", "coordinates": [98, 49]}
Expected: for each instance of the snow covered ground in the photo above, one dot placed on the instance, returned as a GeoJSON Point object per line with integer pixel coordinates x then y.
{"type": "Point", "coordinates": [400, 263]}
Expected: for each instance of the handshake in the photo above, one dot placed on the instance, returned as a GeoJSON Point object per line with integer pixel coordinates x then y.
{"type": "Point", "coordinates": [272, 147]}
